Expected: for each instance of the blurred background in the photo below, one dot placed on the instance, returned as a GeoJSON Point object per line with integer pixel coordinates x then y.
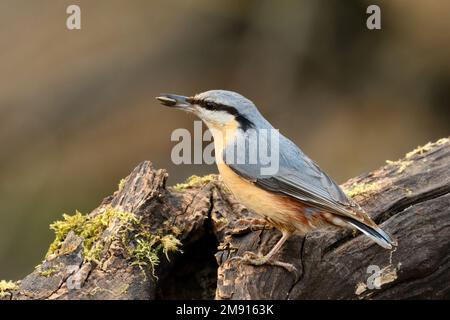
{"type": "Point", "coordinates": [77, 108]}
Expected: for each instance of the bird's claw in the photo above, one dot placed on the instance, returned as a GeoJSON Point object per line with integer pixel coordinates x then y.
{"type": "Point", "coordinates": [288, 266]}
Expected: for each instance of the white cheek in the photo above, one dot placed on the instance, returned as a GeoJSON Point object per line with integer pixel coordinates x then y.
{"type": "Point", "coordinates": [217, 118]}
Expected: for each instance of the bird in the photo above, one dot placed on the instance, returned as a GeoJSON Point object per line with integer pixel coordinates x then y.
{"type": "Point", "coordinates": [296, 198]}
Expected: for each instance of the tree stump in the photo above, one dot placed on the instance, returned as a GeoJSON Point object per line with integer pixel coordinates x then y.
{"type": "Point", "coordinates": [149, 241]}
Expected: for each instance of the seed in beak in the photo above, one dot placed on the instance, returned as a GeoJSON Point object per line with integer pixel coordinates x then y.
{"type": "Point", "coordinates": [167, 101]}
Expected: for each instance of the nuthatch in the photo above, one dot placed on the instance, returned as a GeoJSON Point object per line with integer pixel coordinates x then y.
{"type": "Point", "coordinates": [297, 198]}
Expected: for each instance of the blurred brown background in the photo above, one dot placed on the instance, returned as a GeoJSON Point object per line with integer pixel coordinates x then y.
{"type": "Point", "coordinates": [77, 108]}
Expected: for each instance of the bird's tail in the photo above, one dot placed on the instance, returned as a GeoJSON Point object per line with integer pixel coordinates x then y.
{"type": "Point", "coordinates": [373, 232]}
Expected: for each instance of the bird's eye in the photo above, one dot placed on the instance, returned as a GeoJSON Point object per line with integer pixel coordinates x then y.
{"type": "Point", "coordinates": [210, 105]}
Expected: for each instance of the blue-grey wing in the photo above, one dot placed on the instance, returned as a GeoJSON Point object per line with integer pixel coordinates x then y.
{"type": "Point", "coordinates": [297, 177]}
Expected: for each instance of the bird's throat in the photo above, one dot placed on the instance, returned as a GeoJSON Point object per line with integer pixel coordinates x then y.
{"type": "Point", "coordinates": [223, 135]}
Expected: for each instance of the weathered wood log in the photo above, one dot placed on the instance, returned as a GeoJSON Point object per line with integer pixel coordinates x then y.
{"type": "Point", "coordinates": [149, 241]}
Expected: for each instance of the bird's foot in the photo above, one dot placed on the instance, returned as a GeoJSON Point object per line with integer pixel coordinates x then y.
{"type": "Point", "coordinates": [259, 260]}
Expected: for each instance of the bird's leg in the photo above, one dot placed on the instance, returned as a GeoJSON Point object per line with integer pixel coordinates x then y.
{"type": "Point", "coordinates": [258, 260]}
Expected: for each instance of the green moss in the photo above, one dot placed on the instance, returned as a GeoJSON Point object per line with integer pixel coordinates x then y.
{"type": "Point", "coordinates": [95, 253]}
{"type": "Point", "coordinates": [361, 188]}
{"type": "Point", "coordinates": [195, 181]}
{"type": "Point", "coordinates": [49, 271]}
{"type": "Point", "coordinates": [142, 246]}
{"type": "Point", "coordinates": [145, 252]}
{"type": "Point", "coordinates": [122, 184]}
{"type": "Point", "coordinates": [169, 244]}
{"type": "Point", "coordinates": [402, 164]}
{"type": "Point", "coordinates": [127, 217]}
{"type": "Point", "coordinates": [6, 287]}
{"type": "Point", "coordinates": [90, 228]}
{"type": "Point", "coordinates": [63, 227]}
{"type": "Point", "coordinates": [427, 147]}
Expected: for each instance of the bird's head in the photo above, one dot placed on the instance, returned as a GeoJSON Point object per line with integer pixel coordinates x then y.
{"type": "Point", "coordinates": [219, 109]}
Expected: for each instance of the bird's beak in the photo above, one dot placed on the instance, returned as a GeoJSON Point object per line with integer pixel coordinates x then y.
{"type": "Point", "coordinates": [175, 101]}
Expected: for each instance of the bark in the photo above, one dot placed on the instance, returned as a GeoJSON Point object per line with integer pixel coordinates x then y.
{"type": "Point", "coordinates": [409, 198]}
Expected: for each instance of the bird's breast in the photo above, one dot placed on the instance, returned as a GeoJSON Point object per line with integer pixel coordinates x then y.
{"type": "Point", "coordinates": [283, 212]}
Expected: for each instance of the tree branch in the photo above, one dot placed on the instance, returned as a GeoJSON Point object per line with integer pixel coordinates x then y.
{"type": "Point", "coordinates": [121, 250]}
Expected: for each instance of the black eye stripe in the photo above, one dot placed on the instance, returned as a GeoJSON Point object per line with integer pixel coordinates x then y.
{"type": "Point", "coordinates": [209, 105]}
